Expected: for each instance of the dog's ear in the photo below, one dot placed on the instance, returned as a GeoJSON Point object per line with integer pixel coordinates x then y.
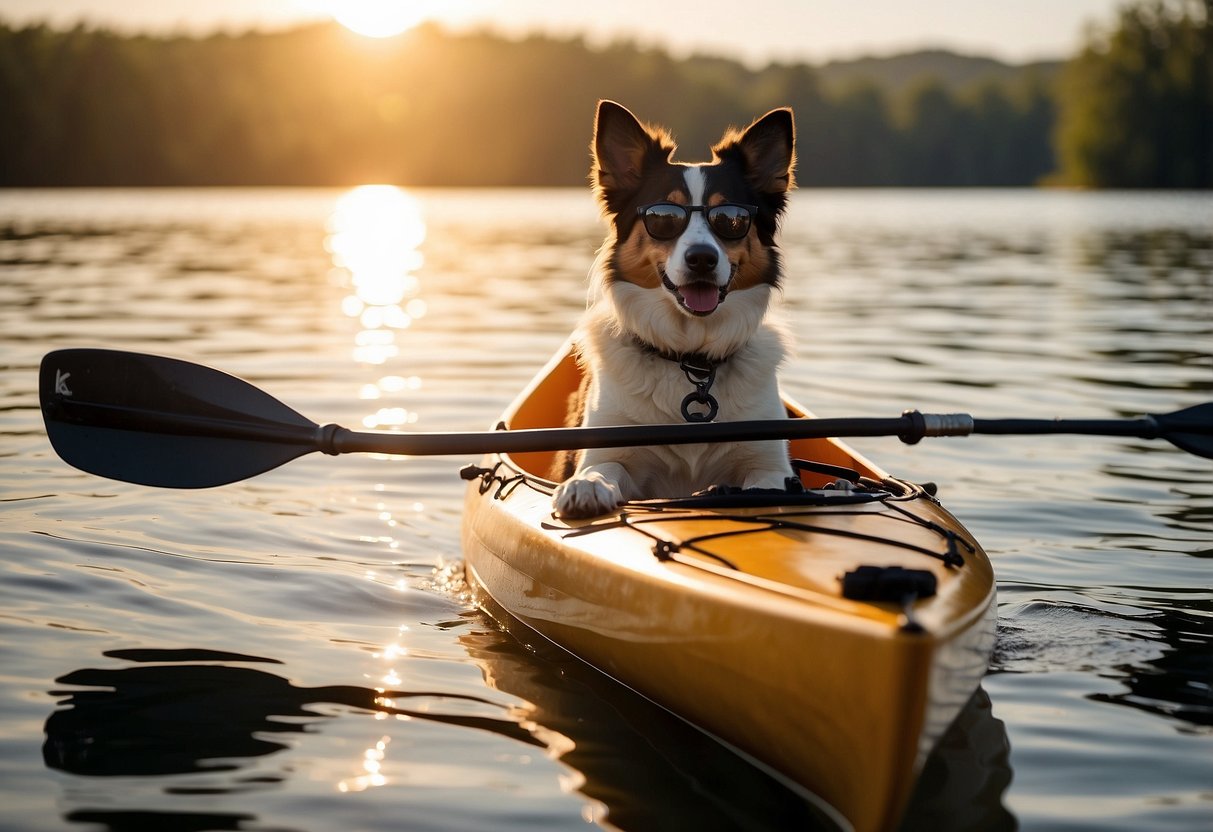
{"type": "Point", "coordinates": [621, 149]}
{"type": "Point", "coordinates": [767, 149]}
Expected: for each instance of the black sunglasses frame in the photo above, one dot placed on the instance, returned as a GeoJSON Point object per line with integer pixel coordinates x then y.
{"type": "Point", "coordinates": [687, 210]}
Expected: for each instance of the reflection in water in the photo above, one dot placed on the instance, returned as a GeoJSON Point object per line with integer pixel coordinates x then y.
{"type": "Point", "coordinates": [643, 765]}
{"type": "Point", "coordinates": [1164, 658]}
{"type": "Point", "coordinates": [179, 718]}
{"type": "Point", "coordinates": [372, 765]}
{"type": "Point", "coordinates": [148, 821]}
{"type": "Point", "coordinates": [376, 232]}
{"type": "Point", "coordinates": [1179, 683]}
{"type": "Point", "coordinates": [639, 764]}
{"type": "Point", "coordinates": [962, 783]}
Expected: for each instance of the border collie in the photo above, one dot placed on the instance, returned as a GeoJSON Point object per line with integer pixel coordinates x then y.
{"type": "Point", "coordinates": [676, 328]}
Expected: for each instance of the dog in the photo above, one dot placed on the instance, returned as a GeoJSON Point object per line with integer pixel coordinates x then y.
{"type": "Point", "coordinates": [676, 327]}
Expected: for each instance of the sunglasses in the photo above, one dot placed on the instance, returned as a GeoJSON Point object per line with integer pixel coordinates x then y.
{"type": "Point", "coordinates": [666, 220]}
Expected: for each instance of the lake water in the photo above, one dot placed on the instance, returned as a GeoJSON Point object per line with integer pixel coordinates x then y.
{"type": "Point", "coordinates": [204, 660]}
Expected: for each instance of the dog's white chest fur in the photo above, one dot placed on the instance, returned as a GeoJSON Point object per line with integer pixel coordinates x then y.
{"type": "Point", "coordinates": [630, 385]}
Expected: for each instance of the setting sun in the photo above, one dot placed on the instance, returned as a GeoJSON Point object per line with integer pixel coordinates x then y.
{"type": "Point", "coordinates": [378, 18]}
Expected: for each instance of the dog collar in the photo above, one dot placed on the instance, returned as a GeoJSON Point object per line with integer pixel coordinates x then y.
{"type": "Point", "coordinates": [700, 371]}
{"type": "Point", "coordinates": [696, 359]}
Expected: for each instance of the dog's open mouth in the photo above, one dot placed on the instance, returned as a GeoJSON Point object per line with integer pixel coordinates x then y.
{"type": "Point", "coordinates": [699, 297]}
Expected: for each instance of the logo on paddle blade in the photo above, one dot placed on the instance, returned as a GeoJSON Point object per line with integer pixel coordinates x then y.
{"type": "Point", "coordinates": [61, 388]}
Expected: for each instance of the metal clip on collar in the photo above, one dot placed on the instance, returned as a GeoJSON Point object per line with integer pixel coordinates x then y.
{"type": "Point", "coordinates": [701, 372]}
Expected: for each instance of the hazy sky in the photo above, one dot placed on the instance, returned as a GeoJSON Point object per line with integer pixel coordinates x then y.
{"type": "Point", "coordinates": [758, 31]}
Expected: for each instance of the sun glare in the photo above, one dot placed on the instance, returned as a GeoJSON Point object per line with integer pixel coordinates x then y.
{"type": "Point", "coordinates": [378, 18]}
{"type": "Point", "coordinates": [377, 231]}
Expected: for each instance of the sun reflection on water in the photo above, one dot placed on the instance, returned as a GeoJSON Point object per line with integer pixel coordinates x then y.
{"type": "Point", "coordinates": [372, 764]}
{"type": "Point", "coordinates": [375, 238]}
{"type": "Point", "coordinates": [374, 757]}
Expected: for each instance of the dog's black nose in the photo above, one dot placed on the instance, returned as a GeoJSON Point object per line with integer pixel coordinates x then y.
{"type": "Point", "coordinates": [701, 258]}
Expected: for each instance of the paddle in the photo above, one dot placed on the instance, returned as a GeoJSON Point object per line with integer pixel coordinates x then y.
{"type": "Point", "coordinates": [160, 421]}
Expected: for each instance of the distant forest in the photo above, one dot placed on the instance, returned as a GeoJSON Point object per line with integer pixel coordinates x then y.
{"type": "Point", "coordinates": [320, 106]}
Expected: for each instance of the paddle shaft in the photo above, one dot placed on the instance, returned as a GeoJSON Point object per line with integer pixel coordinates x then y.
{"type": "Point", "coordinates": [909, 427]}
{"type": "Point", "coordinates": [333, 439]}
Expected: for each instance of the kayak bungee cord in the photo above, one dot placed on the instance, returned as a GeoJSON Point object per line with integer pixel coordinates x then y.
{"type": "Point", "coordinates": [950, 557]}
{"type": "Point", "coordinates": [866, 583]}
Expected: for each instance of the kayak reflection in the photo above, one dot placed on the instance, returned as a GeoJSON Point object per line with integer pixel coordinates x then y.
{"type": "Point", "coordinates": [963, 780]}
{"type": "Point", "coordinates": [645, 766]}
{"type": "Point", "coordinates": [185, 717]}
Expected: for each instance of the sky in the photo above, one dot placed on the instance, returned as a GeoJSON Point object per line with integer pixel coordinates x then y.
{"type": "Point", "coordinates": [756, 32]}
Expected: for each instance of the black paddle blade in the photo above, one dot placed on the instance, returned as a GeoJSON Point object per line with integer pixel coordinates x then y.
{"type": "Point", "coordinates": [1190, 429]}
{"type": "Point", "coordinates": [158, 421]}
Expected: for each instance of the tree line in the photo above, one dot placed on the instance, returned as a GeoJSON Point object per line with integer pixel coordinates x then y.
{"type": "Point", "coordinates": [319, 106]}
{"type": "Point", "coordinates": [1138, 101]}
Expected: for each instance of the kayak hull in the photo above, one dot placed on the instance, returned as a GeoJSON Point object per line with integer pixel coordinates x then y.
{"type": "Point", "coordinates": [729, 613]}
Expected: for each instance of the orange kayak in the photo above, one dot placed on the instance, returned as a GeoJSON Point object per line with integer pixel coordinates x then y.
{"type": "Point", "coordinates": [830, 633]}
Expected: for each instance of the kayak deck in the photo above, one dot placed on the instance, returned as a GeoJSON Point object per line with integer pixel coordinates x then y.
{"type": "Point", "coordinates": [729, 609]}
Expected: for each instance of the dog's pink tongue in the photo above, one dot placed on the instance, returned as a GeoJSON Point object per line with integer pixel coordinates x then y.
{"type": "Point", "coordinates": [700, 297]}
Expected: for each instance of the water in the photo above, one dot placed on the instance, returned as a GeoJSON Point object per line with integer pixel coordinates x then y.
{"type": "Point", "coordinates": [208, 660]}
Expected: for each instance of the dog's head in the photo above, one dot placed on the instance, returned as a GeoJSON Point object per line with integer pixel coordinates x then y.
{"type": "Point", "coordinates": [696, 233]}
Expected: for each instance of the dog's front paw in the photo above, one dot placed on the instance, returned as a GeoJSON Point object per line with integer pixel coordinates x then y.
{"type": "Point", "coordinates": [587, 495]}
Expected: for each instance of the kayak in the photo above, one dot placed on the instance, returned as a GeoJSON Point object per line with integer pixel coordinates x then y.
{"type": "Point", "coordinates": [830, 633]}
